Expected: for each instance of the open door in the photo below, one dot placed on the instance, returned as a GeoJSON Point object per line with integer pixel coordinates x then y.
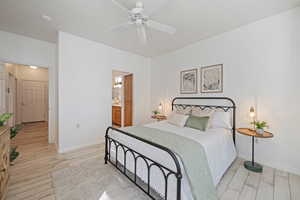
{"type": "Point", "coordinates": [128, 82]}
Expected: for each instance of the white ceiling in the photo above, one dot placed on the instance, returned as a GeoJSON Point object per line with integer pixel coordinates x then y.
{"type": "Point", "coordinates": [193, 19]}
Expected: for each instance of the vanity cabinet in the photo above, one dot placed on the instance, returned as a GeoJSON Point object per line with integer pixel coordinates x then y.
{"type": "Point", "coordinates": [116, 115]}
{"type": "Point", "coordinates": [4, 159]}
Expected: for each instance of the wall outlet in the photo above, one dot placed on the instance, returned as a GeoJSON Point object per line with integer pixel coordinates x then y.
{"type": "Point", "coordinates": [77, 125]}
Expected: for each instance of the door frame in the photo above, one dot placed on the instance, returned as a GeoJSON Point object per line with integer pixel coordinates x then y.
{"type": "Point", "coordinates": [12, 106]}
{"type": "Point", "coordinates": [2, 89]}
{"type": "Point", "coordinates": [130, 120]}
{"type": "Point", "coordinates": [123, 74]}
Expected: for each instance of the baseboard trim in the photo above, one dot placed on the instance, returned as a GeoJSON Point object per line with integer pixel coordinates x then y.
{"type": "Point", "coordinates": [68, 149]}
{"type": "Point", "coordinates": [274, 165]}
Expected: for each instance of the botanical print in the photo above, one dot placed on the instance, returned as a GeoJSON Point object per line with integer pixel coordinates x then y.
{"type": "Point", "coordinates": [212, 79]}
{"type": "Point", "coordinates": [188, 81]}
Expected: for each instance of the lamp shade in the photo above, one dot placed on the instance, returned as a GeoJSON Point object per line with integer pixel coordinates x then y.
{"type": "Point", "coordinates": [252, 112]}
{"type": "Point", "coordinates": [160, 107]}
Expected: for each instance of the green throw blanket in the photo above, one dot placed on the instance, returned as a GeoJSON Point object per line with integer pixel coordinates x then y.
{"type": "Point", "coordinates": [192, 156]}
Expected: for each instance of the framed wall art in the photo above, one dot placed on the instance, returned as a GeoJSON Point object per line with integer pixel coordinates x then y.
{"type": "Point", "coordinates": [212, 79]}
{"type": "Point", "coordinates": [189, 81]}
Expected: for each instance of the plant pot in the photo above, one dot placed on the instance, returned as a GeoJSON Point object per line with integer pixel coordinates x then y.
{"type": "Point", "coordinates": [260, 131]}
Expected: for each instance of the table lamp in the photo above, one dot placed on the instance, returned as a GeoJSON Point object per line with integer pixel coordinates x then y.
{"type": "Point", "coordinates": [252, 115]}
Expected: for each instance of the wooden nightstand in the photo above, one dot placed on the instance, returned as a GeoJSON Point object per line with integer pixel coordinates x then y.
{"type": "Point", "coordinates": [251, 165]}
{"type": "Point", "coordinates": [159, 117]}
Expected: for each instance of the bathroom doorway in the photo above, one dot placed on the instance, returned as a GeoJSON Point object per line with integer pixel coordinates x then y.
{"type": "Point", "coordinates": [122, 99]}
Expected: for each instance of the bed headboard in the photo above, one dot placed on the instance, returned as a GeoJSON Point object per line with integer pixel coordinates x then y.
{"type": "Point", "coordinates": [224, 103]}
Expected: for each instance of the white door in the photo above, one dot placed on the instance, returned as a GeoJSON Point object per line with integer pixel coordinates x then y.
{"type": "Point", "coordinates": [33, 101]}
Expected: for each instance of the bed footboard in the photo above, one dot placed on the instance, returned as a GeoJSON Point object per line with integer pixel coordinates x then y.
{"type": "Point", "coordinates": [166, 172]}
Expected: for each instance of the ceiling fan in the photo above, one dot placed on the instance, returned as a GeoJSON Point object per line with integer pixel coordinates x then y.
{"type": "Point", "coordinates": [139, 20]}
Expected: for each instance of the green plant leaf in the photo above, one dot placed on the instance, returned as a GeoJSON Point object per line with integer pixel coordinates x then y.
{"type": "Point", "coordinates": [13, 154]}
{"type": "Point", "coordinates": [260, 124]}
{"type": "Point", "coordinates": [4, 117]}
{"type": "Point", "coordinates": [13, 132]}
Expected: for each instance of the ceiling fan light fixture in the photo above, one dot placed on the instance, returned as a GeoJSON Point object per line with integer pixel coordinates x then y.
{"type": "Point", "coordinates": [139, 22]}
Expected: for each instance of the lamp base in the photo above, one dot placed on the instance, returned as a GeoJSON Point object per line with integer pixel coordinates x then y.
{"type": "Point", "coordinates": [254, 167]}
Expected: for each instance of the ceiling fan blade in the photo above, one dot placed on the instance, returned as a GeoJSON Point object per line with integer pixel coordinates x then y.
{"type": "Point", "coordinates": [120, 27]}
{"type": "Point", "coordinates": [161, 27]}
{"type": "Point", "coordinates": [120, 6]}
{"type": "Point", "coordinates": [142, 35]}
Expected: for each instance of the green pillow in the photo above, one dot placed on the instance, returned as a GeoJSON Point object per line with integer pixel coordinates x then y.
{"type": "Point", "coordinates": [199, 123]}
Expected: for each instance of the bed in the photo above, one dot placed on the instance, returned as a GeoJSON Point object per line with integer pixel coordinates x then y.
{"type": "Point", "coordinates": [159, 171]}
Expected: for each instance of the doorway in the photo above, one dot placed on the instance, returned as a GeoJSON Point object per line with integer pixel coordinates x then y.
{"type": "Point", "coordinates": [122, 99]}
{"type": "Point", "coordinates": [26, 94]}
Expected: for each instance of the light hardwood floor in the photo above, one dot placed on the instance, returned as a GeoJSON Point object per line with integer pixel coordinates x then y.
{"type": "Point", "coordinates": [31, 177]}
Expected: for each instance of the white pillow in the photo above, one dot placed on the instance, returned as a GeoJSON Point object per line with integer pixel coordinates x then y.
{"type": "Point", "coordinates": [184, 111]}
{"type": "Point", "coordinates": [202, 113]}
{"type": "Point", "coordinates": [178, 119]}
{"type": "Point", "coordinates": [221, 119]}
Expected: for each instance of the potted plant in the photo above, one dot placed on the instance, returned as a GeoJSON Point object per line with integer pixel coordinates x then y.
{"type": "Point", "coordinates": [155, 112]}
{"type": "Point", "coordinates": [4, 117]}
{"type": "Point", "coordinates": [260, 126]}
{"type": "Point", "coordinates": [13, 132]}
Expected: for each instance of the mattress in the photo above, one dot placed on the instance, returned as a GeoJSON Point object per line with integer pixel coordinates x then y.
{"type": "Point", "coordinates": [217, 143]}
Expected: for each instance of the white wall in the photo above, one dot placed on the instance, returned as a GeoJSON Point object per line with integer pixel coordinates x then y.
{"type": "Point", "coordinates": [24, 50]}
{"type": "Point", "coordinates": [85, 90]}
{"type": "Point", "coordinates": [261, 66]}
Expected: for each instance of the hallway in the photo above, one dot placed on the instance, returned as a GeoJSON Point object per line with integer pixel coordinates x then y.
{"type": "Point", "coordinates": [31, 175]}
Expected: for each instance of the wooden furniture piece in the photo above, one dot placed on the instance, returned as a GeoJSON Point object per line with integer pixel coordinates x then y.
{"type": "Point", "coordinates": [117, 115]}
{"type": "Point", "coordinates": [159, 117]}
{"type": "Point", "coordinates": [4, 159]}
{"type": "Point", "coordinates": [251, 165]}
{"type": "Point", "coordinates": [128, 99]}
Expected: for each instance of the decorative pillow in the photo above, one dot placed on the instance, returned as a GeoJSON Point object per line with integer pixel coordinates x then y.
{"type": "Point", "coordinates": [199, 123]}
{"type": "Point", "coordinates": [202, 113]}
{"type": "Point", "coordinates": [178, 119]}
{"type": "Point", "coordinates": [221, 119]}
{"type": "Point", "coordinates": [183, 111]}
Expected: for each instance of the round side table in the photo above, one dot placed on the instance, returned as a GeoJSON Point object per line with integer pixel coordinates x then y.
{"type": "Point", "coordinates": [251, 165]}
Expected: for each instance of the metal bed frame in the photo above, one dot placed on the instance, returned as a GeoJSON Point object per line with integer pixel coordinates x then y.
{"type": "Point", "coordinates": [166, 172]}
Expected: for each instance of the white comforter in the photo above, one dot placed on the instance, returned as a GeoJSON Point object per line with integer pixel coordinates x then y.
{"type": "Point", "coordinates": [217, 143]}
